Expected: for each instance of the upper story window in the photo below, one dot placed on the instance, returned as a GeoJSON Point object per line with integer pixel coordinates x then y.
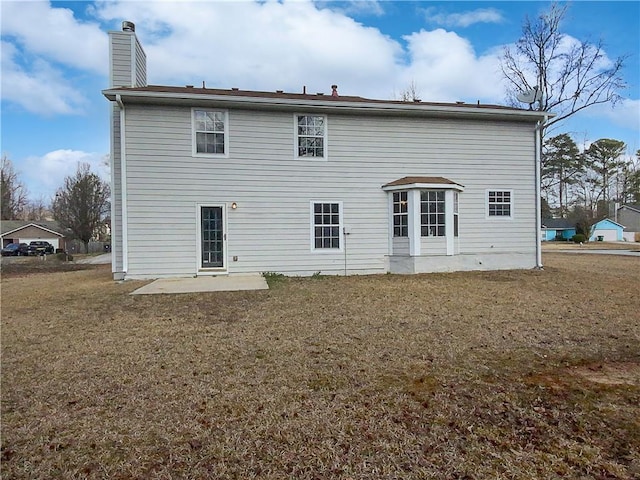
{"type": "Point", "coordinates": [499, 203]}
{"type": "Point", "coordinates": [311, 136]}
{"type": "Point", "coordinates": [432, 217]}
{"type": "Point", "coordinates": [326, 224]}
{"type": "Point", "coordinates": [400, 214]}
{"type": "Point", "coordinates": [210, 132]}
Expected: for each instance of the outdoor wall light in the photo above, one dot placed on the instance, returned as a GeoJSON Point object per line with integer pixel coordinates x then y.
{"type": "Point", "coordinates": [234, 205]}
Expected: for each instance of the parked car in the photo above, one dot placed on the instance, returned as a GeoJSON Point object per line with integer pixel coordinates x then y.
{"type": "Point", "coordinates": [40, 247]}
{"type": "Point", "coordinates": [15, 250]}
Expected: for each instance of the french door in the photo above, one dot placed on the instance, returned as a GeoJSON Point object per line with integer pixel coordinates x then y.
{"type": "Point", "coordinates": [212, 237]}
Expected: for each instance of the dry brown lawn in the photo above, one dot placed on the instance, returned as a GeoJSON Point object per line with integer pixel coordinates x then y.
{"type": "Point", "coordinates": [501, 375]}
{"type": "Point", "coordinates": [555, 246]}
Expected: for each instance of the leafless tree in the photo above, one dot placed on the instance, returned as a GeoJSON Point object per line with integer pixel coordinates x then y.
{"type": "Point", "coordinates": [13, 191]}
{"type": "Point", "coordinates": [82, 203]}
{"type": "Point", "coordinates": [36, 210]}
{"type": "Point", "coordinates": [410, 94]}
{"type": "Point", "coordinates": [572, 75]}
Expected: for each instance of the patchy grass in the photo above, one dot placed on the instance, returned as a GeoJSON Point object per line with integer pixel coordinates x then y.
{"type": "Point", "coordinates": [22, 266]}
{"type": "Point", "coordinates": [465, 375]}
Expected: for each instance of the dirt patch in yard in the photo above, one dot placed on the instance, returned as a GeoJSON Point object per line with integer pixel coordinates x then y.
{"type": "Point", "coordinates": [623, 373]}
{"type": "Point", "coordinates": [464, 375]}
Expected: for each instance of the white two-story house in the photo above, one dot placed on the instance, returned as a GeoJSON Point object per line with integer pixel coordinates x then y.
{"type": "Point", "coordinates": [208, 181]}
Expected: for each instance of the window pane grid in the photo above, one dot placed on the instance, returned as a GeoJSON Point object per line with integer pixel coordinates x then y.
{"type": "Point", "coordinates": [212, 237]}
{"type": "Point", "coordinates": [432, 215]}
{"type": "Point", "coordinates": [311, 136]}
{"type": "Point", "coordinates": [210, 131]}
{"type": "Point", "coordinates": [499, 204]}
{"type": "Point", "coordinates": [400, 215]}
{"type": "Point", "coordinates": [326, 225]}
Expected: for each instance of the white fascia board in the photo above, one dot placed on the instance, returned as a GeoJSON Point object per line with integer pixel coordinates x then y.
{"type": "Point", "coordinates": [33, 225]}
{"type": "Point", "coordinates": [424, 186]}
{"type": "Point", "coordinates": [371, 107]}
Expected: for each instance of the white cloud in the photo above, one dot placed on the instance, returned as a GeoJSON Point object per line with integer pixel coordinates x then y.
{"type": "Point", "coordinates": [39, 45]}
{"type": "Point", "coordinates": [445, 68]}
{"type": "Point", "coordinates": [46, 174]}
{"type": "Point", "coordinates": [55, 34]}
{"type": "Point", "coordinates": [358, 7]}
{"type": "Point", "coordinates": [625, 114]}
{"type": "Point", "coordinates": [463, 19]}
{"type": "Point", "coordinates": [39, 89]}
{"type": "Point", "coordinates": [266, 46]}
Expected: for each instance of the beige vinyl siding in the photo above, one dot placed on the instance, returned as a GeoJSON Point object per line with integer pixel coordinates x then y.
{"type": "Point", "coordinates": [116, 190]}
{"type": "Point", "coordinates": [141, 64]}
{"type": "Point", "coordinates": [400, 246]}
{"type": "Point", "coordinates": [270, 229]}
{"type": "Point", "coordinates": [433, 246]}
{"type": "Point", "coordinates": [120, 53]}
{"type": "Point", "coordinates": [630, 219]}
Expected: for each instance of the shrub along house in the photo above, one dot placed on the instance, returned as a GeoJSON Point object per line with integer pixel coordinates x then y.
{"type": "Point", "coordinates": [210, 181]}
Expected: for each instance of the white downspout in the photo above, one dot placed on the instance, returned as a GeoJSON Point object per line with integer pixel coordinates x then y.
{"type": "Point", "coordinates": [539, 128]}
{"type": "Point", "coordinates": [123, 187]}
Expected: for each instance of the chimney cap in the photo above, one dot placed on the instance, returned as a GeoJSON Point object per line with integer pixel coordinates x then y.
{"type": "Point", "coordinates": [128, 26]}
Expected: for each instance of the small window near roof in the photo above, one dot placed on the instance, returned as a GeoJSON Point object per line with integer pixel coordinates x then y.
{"type": "Point", "coordinates": [499, 203]}
{"type": "Point", "coordinates": [311, 133]}
{"type": "Point", "coordinates": [210, 132]}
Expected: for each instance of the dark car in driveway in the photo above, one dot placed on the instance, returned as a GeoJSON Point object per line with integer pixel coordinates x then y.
{"type": "Point", "coordinates": [15, 250]}
{"type": "Point", "coordinates": [40, 247]}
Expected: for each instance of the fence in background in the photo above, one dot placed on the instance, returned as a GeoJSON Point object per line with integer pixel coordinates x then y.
{"type": "Point", "coordinates": [76, 246]}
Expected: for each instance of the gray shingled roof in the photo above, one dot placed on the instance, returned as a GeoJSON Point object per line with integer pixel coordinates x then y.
{"type": "Point", "coordinates": [296, 96]}
{"type": "Point", "coordinates": [557, 223]}
{"type": "Point", "coordinates": [11, 225]}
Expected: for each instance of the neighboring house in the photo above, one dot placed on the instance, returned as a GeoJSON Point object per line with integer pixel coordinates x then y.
{"type": "Point", "coordinates": [18, 231]}
{"type": "Point", "coordinates": [606, 230]}
{"type": "Point", "coordinates": [209, 181]}
{"type": "Point", "coordinates": [557, 229]}
{"type": "Point", "coordinates": [629, 216]}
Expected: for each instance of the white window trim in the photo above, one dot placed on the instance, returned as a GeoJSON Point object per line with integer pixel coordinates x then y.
{"type": "Point", "coordinates": [325, 146]}
{"type": "Point", "coordinates": [194, 146]}
{"type": "Point", "coordinates": [511, 203]}
{"type": "Point", "coordinates": [444, 202]}
{"type": "Point", "coordinates": [408, 213]}
{"type": "Point", "coordinates": [211, 270]}
{"type": "Point", "coordinates": [312, 236]}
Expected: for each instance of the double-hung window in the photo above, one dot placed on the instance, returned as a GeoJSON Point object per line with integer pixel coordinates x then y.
{"type": "Point", "coordinates": [432, 217]}
{"type": "Point", "coordinates": [326, 220]}
{"type": "Point", "coordinates": [500, 203]}
{"type": "Point", "coordinates": [210, 132]}
{"type": "Point", "coordinates": [311, 136]}
{"type": "Point", "coordinates": [400, 214]}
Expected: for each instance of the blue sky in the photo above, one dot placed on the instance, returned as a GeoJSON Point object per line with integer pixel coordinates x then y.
{"type": "Point", "coordinates": [55, 61]}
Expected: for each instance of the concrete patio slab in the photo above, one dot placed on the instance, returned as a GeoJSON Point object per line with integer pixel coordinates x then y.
{"type": "Point", "coordinates": [221, 283]}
